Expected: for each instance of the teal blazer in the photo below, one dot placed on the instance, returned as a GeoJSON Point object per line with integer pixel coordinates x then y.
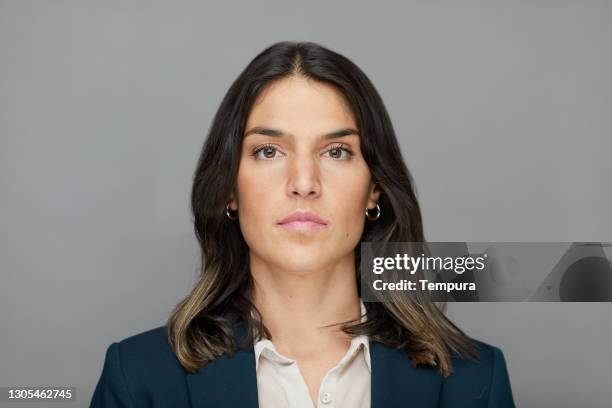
{"type": "Point", "coordinates": [143, 371]}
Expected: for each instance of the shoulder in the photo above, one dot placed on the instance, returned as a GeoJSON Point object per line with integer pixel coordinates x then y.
{"type": "Point", "coordinates": [141, 367]}
{"type": "Point", "coordinates": [485, 380]}
{"type": "Point", "coordinates": [147, 350]}
{"type": "Point", "coordinates": [487, 355]}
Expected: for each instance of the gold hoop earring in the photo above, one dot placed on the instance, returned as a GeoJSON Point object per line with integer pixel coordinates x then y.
{"type": "Point", "coordinates": [370, 217]}
{"type": "Point", "coordinates": [229, 215]}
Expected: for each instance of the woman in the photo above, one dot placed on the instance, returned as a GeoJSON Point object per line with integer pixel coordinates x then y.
{"type": "Point", "coordinates": [300, 165]}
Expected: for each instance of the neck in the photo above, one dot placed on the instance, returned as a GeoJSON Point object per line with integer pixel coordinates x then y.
{"type": "Point", "coordinates": [295, 305]}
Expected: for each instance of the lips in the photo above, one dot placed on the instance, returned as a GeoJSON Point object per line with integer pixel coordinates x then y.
{"type": "Point", "coordinates": [303, 221]}
{"type": "Point", "coordinates": [304, 217]}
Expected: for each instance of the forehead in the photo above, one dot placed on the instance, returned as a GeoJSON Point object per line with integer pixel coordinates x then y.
{"type": "Point", "coordinates": [301, 103]}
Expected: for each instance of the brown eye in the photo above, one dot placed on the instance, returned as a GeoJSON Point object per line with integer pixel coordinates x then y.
{"type": "Point", "coordinates": [336, 152]}
{"type": "Point", "coordinates": [269, 152]}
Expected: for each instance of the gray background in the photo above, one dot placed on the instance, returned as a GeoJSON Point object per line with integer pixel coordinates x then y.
{"type": "Point", "coordinates": [503, 111]}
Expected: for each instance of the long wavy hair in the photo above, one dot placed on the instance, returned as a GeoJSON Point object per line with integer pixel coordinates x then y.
{"type": "Point", "coordinates": [201, 327]}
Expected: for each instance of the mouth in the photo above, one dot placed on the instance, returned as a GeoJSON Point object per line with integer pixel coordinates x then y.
{"type": "Point", "coordinates": [303, 225]}
{"type": "Point", "coordinates": [303, 221]}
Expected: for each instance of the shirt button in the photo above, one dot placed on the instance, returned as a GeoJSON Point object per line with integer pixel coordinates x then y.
{"type": "Point", "coordinates": [326, 397]}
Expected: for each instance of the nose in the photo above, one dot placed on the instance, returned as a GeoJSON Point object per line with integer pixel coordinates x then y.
{"type": "Point", "coordinates": [304, 178]}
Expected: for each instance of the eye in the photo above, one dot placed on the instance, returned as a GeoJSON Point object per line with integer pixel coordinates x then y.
{"type": "Point", "coordinates": [338, 150]}
{"type": "Point", "coordinates": [269, 152]}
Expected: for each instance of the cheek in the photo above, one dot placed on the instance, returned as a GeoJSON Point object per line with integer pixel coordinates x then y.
{"type": "Point", "coordinates": [353, 222]}
{"type": "Point", "coordinates": [350, 203]}
{"type": "Point", "coordinates": [254, 186]}
{"type": "Point", "coordinates": [350, 189]}
{"type": "Point", "coordinates": [255, 206]}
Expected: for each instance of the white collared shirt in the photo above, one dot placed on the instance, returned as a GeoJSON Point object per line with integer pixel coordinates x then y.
{"type": "Point", "coordinates": [281, 385]}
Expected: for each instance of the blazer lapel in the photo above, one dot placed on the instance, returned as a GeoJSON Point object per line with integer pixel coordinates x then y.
{"type": "Point", "coordinates": [395, 383]}
{"type": "Point", "coordinates": [226, 381]}
{"type": "Point", "coordinates": [232, 381]}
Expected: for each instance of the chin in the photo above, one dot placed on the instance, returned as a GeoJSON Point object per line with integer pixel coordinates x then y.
{"type": "Point", "coordinates": [303, 259]}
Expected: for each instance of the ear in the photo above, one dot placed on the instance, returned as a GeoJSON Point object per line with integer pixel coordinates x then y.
{"type": "Point", "coordinates": [233, 203]}
{"type": "Point", "coordinates": [373, 195]}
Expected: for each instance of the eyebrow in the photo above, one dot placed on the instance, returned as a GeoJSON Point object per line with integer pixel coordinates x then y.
{"type": "Point", "coordinates": [279, 133]}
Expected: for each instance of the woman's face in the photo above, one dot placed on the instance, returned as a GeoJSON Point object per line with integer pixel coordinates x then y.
{"type": "Point", "coordinates": [291, 167]}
